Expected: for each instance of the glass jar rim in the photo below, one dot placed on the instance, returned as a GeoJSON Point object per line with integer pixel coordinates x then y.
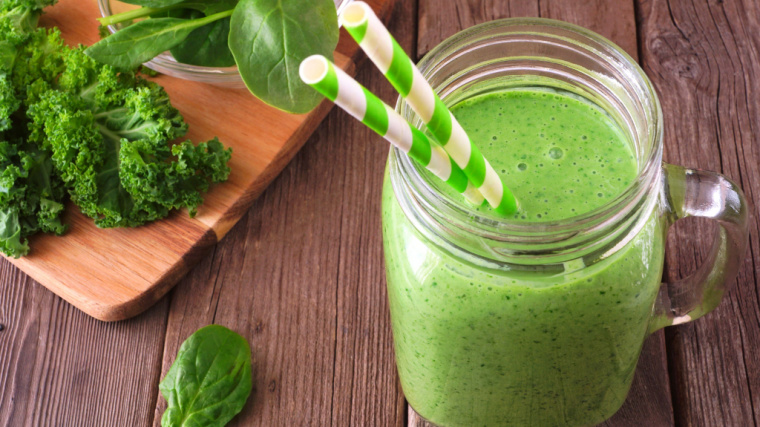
{"type": "Point", "coordinates": [458, 214]}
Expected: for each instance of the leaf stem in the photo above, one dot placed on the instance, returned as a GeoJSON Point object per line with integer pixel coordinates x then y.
{"type": "Point", "coordinates": [133, 14]}
{"type": "Point", "coordinates": [147, 11]}
{"type": "Point", "coordinates": [211, 18]}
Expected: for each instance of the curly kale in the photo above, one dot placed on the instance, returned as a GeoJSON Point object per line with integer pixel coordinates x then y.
{"type": "Point", "coordinates": [109, 135]}
{"type": "Point", "coordinates": [31, 194]}
{"type": "Point", "coordinates": [21, 16]}
{"type": "Point", "coordinates": [70, 125]}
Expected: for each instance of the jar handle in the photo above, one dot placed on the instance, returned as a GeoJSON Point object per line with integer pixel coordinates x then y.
{"type": "Point", "coordinates": [695, 193]}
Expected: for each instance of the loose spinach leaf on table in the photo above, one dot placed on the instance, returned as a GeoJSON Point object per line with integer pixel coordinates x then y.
{"type": "Point", "coordinates": [142, 41]}
{"type": "Point", "coordinates": [210, 380]}
{"type": "Point", "coordinates": [206, 46]}
{"type": "Point", "coordinates": [270, 38]}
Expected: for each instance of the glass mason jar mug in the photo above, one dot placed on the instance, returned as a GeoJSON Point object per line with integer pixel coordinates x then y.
{"type": "Point", "coordinates": [497, 322]}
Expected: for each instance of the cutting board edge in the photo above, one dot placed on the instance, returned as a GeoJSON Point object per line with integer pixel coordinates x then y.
{"type": "Point", "coordinates": [128, 307]}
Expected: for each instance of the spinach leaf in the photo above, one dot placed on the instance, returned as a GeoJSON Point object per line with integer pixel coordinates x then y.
{"type": "Point", "coordinates": [142, 41]}
{"type": "Point", "coordinates": [206, 46]}
{"type": "Point", "coordinates": [209, 7]}
{"type": "Point", "coordinates": [210, 380]}
{"type": "Point", "coordinates": [270, 38]}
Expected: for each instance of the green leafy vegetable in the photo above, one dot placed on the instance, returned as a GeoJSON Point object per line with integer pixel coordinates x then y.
{"type": "Point", "coordinates": [23, 15]}
{"type": "Point", "coordinates": [31, 194]}
{"type": "Point", "coordinates": [206, 7]}
{"type": "Point", "coordinates": [109, 132]}
{"type": "Point", "coordinates": [266, 39]}
{"type": "Point", "coordinates": [270, 38]}
{"type": "Point", "coordinates": [209, 7]}
{"type": "Point", "coordinates": [206, 46]}
{"type": "Point", "coordinates": [210, 381]}
{"type": "Point", "coordinates": [142, 41]}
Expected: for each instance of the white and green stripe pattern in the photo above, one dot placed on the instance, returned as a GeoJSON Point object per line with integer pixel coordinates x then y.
{"type": "Point", "coordinates": [364, 26]}
{"type": "Point", "coordinates": [332, 82]}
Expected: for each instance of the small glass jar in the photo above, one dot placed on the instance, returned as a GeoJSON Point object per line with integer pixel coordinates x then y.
{"type": "Point", "coordinates": [166, 64]}
{"type": "Point", "coordinates": [497, 322]}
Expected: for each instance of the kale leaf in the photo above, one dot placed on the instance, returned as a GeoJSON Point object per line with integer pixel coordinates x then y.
{"type": "Point", "coordinates": [31, 194]}
{"type": "Point", "coordinates": [109, 133]}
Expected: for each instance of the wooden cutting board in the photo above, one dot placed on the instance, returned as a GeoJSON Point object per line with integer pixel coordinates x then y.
{"type": "Point", "coordinates": [113, 274]}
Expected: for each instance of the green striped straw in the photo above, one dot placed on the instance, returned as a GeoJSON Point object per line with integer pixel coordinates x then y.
{"type": "Point", "coordinates": [364, 26]}
{"type": "Point", "coordinates": [332, 82]}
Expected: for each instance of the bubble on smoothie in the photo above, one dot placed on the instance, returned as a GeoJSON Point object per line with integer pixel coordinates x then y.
{"type": "Point", "coordinates": [522, 166]}
{"type": "Point", "coordinates": [556, 153]}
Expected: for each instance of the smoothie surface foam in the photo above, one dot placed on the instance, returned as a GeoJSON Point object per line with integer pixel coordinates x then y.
{"type": "Point", "coordinates": [560, 155]}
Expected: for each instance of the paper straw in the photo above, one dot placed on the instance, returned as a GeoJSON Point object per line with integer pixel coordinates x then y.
{"type": "Point", "coordinates": [364, 26]}
{"type": "Point", "coordinates": [332, 82]}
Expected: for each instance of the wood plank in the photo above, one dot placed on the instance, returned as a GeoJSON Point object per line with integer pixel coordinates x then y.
{"type": "Point", "coordinates": [649, 400]}
{"type": "Point", "coordinates": [703, 59]}
{"type": "Point", "coordinates": [614, 20]}
{"type": "Point", "coordinates": [59, 366]}
{"type": "Point", "coordinates": [302, 278]}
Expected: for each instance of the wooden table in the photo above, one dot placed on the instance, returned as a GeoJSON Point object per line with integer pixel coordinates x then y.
{"type": "Point", "coordinates": [302, 277]}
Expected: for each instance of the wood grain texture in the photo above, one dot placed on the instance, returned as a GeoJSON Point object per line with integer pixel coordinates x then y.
{"type": "Point", "coordinates": [302, 278]}
{"type": "Point", "coordinates": [612, 19]}
{"type": "Point", "coordinates": [649, 401]}
{"type": "Point", "coordinates": [59, 366]}
{"type": "Point", "coordinates": [115, 274]}
{"type": "Point", "coordinates": [704, 60]}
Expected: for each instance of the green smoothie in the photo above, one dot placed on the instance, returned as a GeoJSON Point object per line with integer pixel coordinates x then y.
{"type": "Point", "coordinates": [478, 345]}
